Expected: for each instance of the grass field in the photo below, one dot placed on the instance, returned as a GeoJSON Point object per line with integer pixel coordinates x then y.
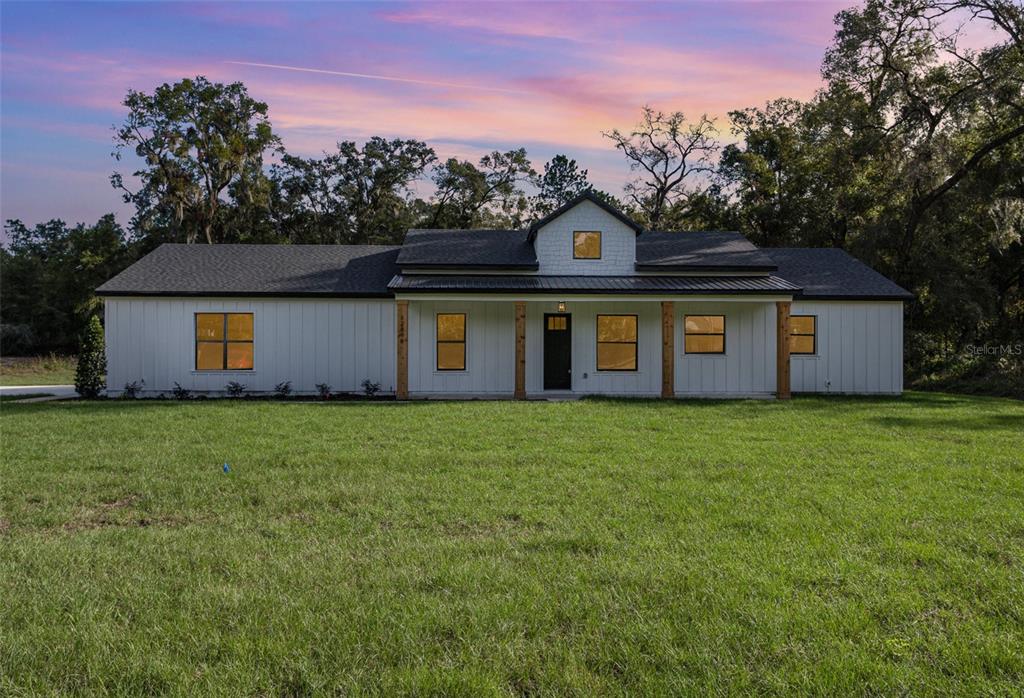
{"type": "Point", "coordinates": [37, 370]}
{"type": "Point", "coordinates": [820, 546]}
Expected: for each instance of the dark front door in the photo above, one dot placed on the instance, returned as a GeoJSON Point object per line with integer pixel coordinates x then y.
{"type": "Point", "coordinates": [557, 351]}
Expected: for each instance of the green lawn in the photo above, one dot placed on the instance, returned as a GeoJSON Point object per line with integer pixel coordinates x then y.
{"type": "Point", "coordinates": [37, 370]}
{"type": "Point", "coordinates": [820, 546]}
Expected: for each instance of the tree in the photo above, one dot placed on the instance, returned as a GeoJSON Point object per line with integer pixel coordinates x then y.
{"type": "Point", "coordinates": [90, 373]}
{"type": "Point", "coordinates": [669, 153]}
{"type": "Point", "coordinates": [925, 89]}
{"type": "Point", "coordinates": [561, 182]}
{"type": "Point", "coordinates": [490, 194]}
{"type": "Point", "coordinates": [195, 139]}
{"type": "Point", "coordinates": [48, 275]}
{"type": "Point", "coordinates": [355, 195]}
{"type": "Point", "coordinates": [801, 173]}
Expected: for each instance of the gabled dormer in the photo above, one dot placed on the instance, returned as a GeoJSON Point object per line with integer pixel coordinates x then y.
{"type": "Point", "coordinates": [585, 237]}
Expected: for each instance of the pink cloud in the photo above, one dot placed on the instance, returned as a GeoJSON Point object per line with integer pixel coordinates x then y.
{"type": "Point", "coordinates": [534, 21]}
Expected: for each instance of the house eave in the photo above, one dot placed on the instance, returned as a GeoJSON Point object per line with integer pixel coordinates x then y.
{"type": "Point", "coordinates": [244, 294]}
{"type": "Point", "coordinates": [706, 267]}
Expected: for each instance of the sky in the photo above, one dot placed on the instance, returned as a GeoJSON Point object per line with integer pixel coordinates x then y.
{"type": "Point", "coordinates": [467, 78]}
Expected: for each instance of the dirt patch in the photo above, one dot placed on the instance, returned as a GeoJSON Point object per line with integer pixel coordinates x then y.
{"type": "Point", "coordinates": [97, 522]}
{"type": "Point", "coordinates": [121, 503]}
{"type": "Point", "coordinates": [117, 513]}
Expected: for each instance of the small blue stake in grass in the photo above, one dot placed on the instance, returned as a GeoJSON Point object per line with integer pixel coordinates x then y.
{"type": "Point", "coordinates": [227, 468]}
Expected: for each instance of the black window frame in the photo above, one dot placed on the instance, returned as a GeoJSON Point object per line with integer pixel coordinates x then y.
{"type": "Point", "coordinates": [225, 341]}
{"type": "Point", "coordinates": [600, 244]}
{"type": "Point", "coordinates": [721, 334]}
{"type": "Point", "coordinates": [598, 343]}
{"type": "Point", "coordinates": [438, 342]}
{"type": "Point", "coordinates": [813, 336]}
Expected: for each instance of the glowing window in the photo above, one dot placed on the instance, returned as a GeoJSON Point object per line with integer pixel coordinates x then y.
{"type": "Point", "coordinates": [586, 244]}
{"type": "Point", "coordinates": [451, 342]}
{"type": "Point", "coordinates": [704, 334]}
{"type": "Point", "coordinates": [616, 342]}
{"type": "Point", "coordinates": [224, 341]}
{"type": "Point", "coordinates": [802, 330]}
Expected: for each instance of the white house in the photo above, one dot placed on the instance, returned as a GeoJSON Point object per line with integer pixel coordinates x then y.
{"type": "Point", "coordinates": [584, 302]}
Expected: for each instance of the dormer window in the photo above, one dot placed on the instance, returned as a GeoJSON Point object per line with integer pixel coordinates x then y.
{"type": "Point", "coordinates": [586, 244]}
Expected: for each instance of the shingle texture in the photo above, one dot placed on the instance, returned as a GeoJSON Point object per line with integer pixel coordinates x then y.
{"type": "Point", "coordinates": [593, 284]}
{"type": "Point", "coordinates": [270, 270]}
{"type": "Point", "coordinates": [828, 273]}
{"type": "Point", "coordinates": [467, 248]}
{"type": "Point", "coordinates": [704, 251]}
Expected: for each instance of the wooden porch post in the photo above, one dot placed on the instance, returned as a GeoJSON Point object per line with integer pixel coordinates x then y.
{"type": "Point", "coordinates": [520, 393]}
{"type": "Point", "coordinates": [668, 349]}
{"type": "Point", "coordinates": [402, 379]}
{"type": "Point", "coordinates": [782, 350]}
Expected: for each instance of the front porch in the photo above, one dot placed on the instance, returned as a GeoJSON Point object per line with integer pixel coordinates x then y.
{"type": "Point", "coordinates": [481, 346]}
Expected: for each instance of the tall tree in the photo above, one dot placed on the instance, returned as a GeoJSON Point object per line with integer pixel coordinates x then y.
{"type": "Point", "coordinates": [48, 274]}
{"type": "Point", "coordinates": [925, 89]}
{"type": "Point", "coordinates": [487, 194]}
{"type": "Point", "coordinates": [801, 172]}
{"type": "Point", "coordinates": [355, 195]}
{"type": "Point", "coordinates": [562, 180]}
{"type": "Point", "coordinates": [669, 154]}
{"type": "Point", "coordinates": [195, 139]}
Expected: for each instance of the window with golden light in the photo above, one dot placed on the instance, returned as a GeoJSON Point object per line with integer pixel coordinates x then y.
{"type": "Point", "coordinates": [704, 334]}
{"type": "Point", "coordinates": [224, 342]}
{"type": "Point", "coordinates": [616, 342]}
{"type": "Point", "coordinates": [586, 244]}
{"type": "Point", "coordinates": [451, 341]}
{"type": "Point", "coordinates": [802, 331]}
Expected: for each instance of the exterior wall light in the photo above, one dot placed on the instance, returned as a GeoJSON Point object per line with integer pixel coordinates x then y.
{"type": "Point", "coordinates": [561, 306]}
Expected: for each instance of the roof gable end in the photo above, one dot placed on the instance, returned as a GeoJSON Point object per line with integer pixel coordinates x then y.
{"type": "Point", "coordinates": [590, 196]}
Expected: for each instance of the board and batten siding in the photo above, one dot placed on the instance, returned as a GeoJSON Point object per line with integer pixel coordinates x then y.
{"type": "Point", "coordinates": [340, 342]}
{"type": "Point", "coordinates": [859, 348]}
{"type": "Point", "coordinates": [747, 368]}
{"type": "Point", "coordinates": [555, 250]}
{"type": "Point", "coordinates": [586, 379]}
{"type": "Point", "coordinates": [490, 349]}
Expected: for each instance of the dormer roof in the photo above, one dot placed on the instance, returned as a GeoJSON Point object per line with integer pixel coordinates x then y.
{"type": "Point", "coordinates": [590, 196]}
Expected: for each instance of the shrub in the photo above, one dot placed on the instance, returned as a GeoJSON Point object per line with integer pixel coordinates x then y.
{"type": "Point", "coordinates": [92, 361]}
{"type": "Point", "coordinates": [370, 388]}
{"type": "Point", "coordinates": [180, 393]}
{"type": "Point", "coordinates": [16, 340]}
{"type": "Point", "coordinates": [132, 390]}
{"type": "Point", "coordinates": [283, 389]}
{"type": "Point", "coordinates": [325, 391]}
{"type": "Point", "coordinates": [235, 389]}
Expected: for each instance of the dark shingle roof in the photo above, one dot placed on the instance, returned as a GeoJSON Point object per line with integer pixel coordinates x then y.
{"type": "Point", "coordinates": [258, 270]}
{"type": "Point", "coordinates": [494, 249]}
{"type": "Point", "coordinates": [594, 284]}
{"type": "Point", "coordinates": [711, 250]}
{"type": "Point", "coordinates": [828, 273]}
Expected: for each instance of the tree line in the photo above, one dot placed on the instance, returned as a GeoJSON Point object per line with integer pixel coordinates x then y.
{"type": "Point", "coordinates": [910, 157]}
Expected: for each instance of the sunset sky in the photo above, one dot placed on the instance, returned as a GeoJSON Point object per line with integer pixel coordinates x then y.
{"type": "Point", "coordinates": [466, 78]}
